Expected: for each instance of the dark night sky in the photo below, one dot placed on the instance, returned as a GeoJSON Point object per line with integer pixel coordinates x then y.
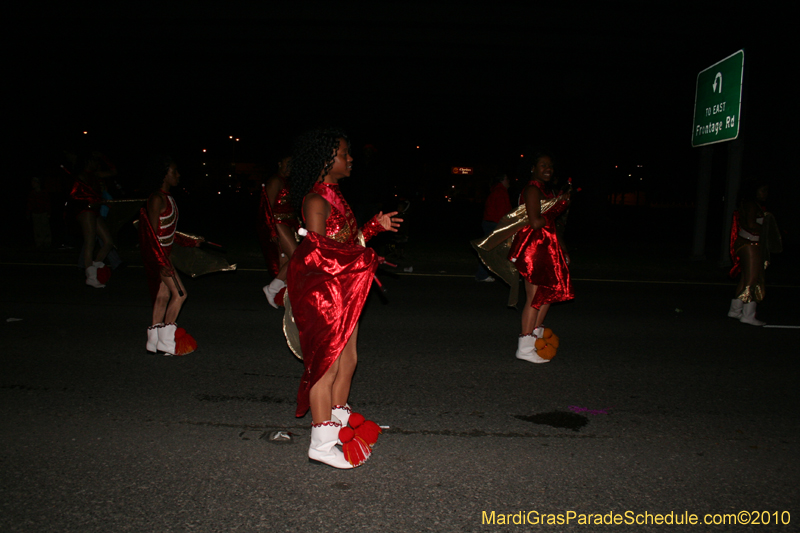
{"type": "Point", "coordinates": [473, 83]}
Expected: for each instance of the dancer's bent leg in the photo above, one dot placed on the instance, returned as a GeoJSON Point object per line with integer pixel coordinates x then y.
{"type": "Point", "coordinates": [176, 300]}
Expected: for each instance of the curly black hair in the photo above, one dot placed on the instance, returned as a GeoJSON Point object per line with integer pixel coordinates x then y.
{"type": "Point", "coordinates": [312, 157]}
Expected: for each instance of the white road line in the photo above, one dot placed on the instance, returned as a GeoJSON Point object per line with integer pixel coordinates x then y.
{"type": "Point", "coordinates": [445, 275]}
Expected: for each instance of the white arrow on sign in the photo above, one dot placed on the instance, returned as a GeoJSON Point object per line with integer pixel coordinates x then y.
{"type": "Point", "coordinates": [719, 75]}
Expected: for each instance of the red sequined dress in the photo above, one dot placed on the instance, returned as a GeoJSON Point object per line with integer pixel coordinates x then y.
{"type": "Point", "coordinates": [328, 282]}
{"type": "Point", "coordinates": [283, 210]}
{"type": "Point", "coordinates": [269, 217]}
{"type": "Point", "coordinates": [539, 258]}
{"type": "Point", "coordinates": [85, 196]}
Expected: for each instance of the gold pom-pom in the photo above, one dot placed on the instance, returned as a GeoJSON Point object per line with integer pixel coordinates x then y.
{"type": "Point", "coordinates": [548, 352]}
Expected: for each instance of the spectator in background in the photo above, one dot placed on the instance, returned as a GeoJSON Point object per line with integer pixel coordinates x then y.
{"type": "Point", "coordinates": [497, 205]}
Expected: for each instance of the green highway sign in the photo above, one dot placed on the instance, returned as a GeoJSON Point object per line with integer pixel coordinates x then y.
{"type": "Point", "coordinates": [718, 101]}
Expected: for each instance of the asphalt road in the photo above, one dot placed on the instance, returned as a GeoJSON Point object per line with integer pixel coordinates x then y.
{"type": "Point", "coordinates": [656, 403]}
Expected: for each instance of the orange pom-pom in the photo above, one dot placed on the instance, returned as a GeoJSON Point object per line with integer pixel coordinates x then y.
{"type": "Point", "coordinates": [103, 274]}
{"type": "Point", "coordinates": [548, 352]}
{"type": "Point", "coordinates": [553, 341]}
{"type": "Point", "coordinates": [540, 344]}
{"type": "Point", "coordinates": [369, 431]}
{"type": "Point", "coordinates": [355, 450]}
{"type": "Point", "coordinates": [547, 333]}
{"type": "Point", "coordinates": [356, 419]}
{"type": "Point", "coordinates": [184, 343]}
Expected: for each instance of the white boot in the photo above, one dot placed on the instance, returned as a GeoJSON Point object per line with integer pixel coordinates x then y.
{"type": "Point", "coordinates": [166, 339]}
{"type": "Point", "coordinates": [341, 414]}
{"type": "Point", "coordinates": [526, 350]}
{"type": "Point", "coordinates": [526, 344]}
{"type": "Point", "coordinates": [736, 308]}
{"type": "Point", "coordinates": [323, 448]}
{"type": "Point", "coordinates": [152, 338]}
{"type": "Point", "coordinates": [272, 290]}
{"type": "Point", "coordinates": [749, 315]}
{"type": "Point", "coordinates": [539, 332]}
{"type": "Point", "coordinates": [91, 277]}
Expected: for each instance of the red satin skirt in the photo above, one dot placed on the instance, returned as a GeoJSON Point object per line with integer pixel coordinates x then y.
{"type": "Point", "coordinates": [538, 257]}
{"type": "Point", "coordinates": [328, 283]}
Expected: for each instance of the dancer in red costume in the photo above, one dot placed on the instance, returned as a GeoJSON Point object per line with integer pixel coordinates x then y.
{"type": "Point", "coordinates": [754, 234]}
{"type": "Point", "coordinates": [278, 225]}
{"type": "Point", "coordinates": [157, 234]}
{"type": "Point", "coordinates": [329, 277]}
{"type": "Point", "coordinates": [86, 199]}
{"type": "Point", "coordinates": [538, 256]}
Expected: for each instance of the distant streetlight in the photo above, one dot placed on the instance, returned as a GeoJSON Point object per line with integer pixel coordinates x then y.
{"type": "Point", "coordinates": [233, 165]}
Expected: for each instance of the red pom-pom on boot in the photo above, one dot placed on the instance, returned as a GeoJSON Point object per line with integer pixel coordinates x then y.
{"type": "Point", "coordinates": [184, 343]}
{"type": "Point", "coordinates": [103, 272]}
{"type": "Point", "coordinates": [173, 340]}
{"type": "Point", "coordinates": [366, 429]}
{"type": "Point", "coordinates": [355, 450]}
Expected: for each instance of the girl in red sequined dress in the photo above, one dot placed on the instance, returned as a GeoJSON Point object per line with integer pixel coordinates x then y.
{"type": "Point", "coordinates": [277, 230]}
{"type": "Point", "coordinates": [539, 258]}
{"type": "Point", "coordinates": [86, 199]}
{"type": "Point", "coordinates": [329, 277]}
